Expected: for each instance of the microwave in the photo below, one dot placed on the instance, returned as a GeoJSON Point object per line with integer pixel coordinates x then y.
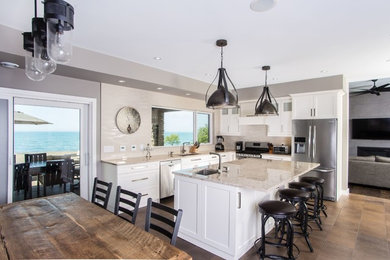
{"type": "Point", "coordinates": [282, 149]}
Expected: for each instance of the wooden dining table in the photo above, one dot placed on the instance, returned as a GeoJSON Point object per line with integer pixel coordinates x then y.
{"type": "Point", "coordinates": [67, 226]}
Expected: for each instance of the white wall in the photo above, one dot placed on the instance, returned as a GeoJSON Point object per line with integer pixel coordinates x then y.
{"type": "Point", "coordinates": [114, 97]}
{"type": "Point", "coordinates": [368, 106]}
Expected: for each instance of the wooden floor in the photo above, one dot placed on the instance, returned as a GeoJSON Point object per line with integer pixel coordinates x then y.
{"type": "Point", "coordinates": [358, 227]}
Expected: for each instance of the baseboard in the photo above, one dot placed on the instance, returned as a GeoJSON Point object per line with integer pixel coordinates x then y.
{"type": "Point", "coordinates": [345, 192]}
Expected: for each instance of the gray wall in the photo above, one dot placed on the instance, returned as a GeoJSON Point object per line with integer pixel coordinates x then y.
{"type": "Point", "coordinates": [368, 106]}
{"type": "Point", "coordinates": [3, 150]}
{"type": "Point", "coordinates": [56, 85]}
{"type": "Point", "coordinates": [301, 86]}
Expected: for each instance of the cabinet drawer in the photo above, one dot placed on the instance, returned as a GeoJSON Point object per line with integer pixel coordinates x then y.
{"type": "Point", "coordinates": [133, 181]}
{"type": "Point", "coordinates": [135, 168]}
{"type": "Point", "coordinates": [151, 192]}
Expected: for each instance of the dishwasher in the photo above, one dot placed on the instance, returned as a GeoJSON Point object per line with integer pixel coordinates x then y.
{"type": "Point", "coordinates": [167, 177]}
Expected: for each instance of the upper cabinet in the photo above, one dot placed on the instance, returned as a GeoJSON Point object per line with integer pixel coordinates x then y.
{"type": "Point", "coordinates": [316, 105]}
{"type": "Point", "coordinates": [280, 125]}
{"type": "Point", "coordinates": [229, 122]}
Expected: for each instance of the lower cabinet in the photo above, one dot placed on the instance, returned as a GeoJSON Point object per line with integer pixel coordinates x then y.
{"type": "Point", "coordinates": [219, 218]}
{"type": "Point", "coordinates": [141, 178]}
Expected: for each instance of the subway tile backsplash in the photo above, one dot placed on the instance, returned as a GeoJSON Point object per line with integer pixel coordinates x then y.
{"type": "Point", "coordinates": [254, 133]}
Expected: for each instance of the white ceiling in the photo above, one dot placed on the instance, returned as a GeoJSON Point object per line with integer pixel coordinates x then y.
{"type": "Point", "coordinates": [300, 39]}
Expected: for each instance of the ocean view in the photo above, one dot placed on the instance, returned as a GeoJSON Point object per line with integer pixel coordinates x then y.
{"type": "Point", "coordinates": [27, 142]}
{"type": "Point", "coordinates": [183, 136]}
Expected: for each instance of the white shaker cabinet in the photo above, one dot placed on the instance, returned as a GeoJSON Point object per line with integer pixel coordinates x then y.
{"type": "Point", "coordinates": [229, 121]}
{"type": "Point", "coordinates": [141, 178]}
{"type": "Point", "coordinates": [281, 125]}
{"type": "Point", "coordinates": [315, 105]}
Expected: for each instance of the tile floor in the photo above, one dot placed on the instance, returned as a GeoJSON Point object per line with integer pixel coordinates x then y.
{"type": "Point", "coordinates": [358, 227]}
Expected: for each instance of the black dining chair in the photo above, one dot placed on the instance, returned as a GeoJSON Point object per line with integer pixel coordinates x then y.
{"type": "Point", "coordinates": [38, 172]}
{"type": "Point", "coordinates": [127, 204]}
{"type": "Point", "coordinates": [164, 219]}
{"type": "Point", "coordinates": [22, 179]}
{"type": "Point", "coordinates": [101, 192]}
{"type": "Point", "coordinates": [67, 172]}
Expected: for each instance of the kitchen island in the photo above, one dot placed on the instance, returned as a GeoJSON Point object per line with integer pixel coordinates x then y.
{"type": "Point", "coordinates": [220, 212]}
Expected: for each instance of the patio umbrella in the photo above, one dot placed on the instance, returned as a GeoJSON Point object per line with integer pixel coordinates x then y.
{"type": "Point", "coordinates": [25, 119]}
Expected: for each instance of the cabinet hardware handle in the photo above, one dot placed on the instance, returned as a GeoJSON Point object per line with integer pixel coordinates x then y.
{"type": "Point", "coordinates": [142, 179]}
{"type": "Point", "coordinates": [146, 194]}
{"type": "Point", "coordinates": [314, 112]}
{"type": "Point", "coordinates": [198, 159]}
{"type": "Point", "coordinates": [311, 112]}
{"type": "Point", "coordinates": [239, 200]}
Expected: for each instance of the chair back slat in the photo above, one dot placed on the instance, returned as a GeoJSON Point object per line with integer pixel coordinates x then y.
{"type": "Point", "coordinates": [22, 179]}
{"type": "Point", "coordinates": [124, 204]}
{"type": "Point", "coordinates": [99, 185]}
{"type": "Point", "coordinates": [128, 202]}
{"type": "Point", "coordinates": [162, 219]}
{"type": "Point", "coordinates": [35, 157]}
{"type": "Point", "coordinates": [161, 230]}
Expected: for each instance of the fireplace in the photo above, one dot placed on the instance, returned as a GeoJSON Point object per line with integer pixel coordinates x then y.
{"type": "Point", "coordinates": [367, 151]}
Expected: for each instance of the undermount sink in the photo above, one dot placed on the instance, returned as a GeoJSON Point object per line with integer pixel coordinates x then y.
{"type": "Point", "coordinates": [187, 154]}
{"type": "Point", "coordinates": [207, 171]}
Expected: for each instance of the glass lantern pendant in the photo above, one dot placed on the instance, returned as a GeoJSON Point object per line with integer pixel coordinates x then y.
{"type": "Point", "coordinates": [59, 20]}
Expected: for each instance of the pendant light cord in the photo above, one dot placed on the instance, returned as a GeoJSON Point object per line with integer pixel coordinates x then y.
{"type": "Point", "coordinates": [266, 77]}
{"type": "Point", "coordinates": [221, 56]}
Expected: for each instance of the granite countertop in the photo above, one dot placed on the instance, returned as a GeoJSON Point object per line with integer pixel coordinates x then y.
{"type": "Point", "coordinates": [155, 158]}
{"type": "Point", "coordinates": [262, 175]}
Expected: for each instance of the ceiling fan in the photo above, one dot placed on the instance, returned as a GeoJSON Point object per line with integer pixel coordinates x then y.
{"type": "Point", "coordinates": [373, 90]}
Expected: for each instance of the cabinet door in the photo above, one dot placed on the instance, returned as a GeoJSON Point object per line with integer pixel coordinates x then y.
{"type": "Point", "coordinates": [325, 105]}
{"type": "Point", "coordinates": [219, 213]}
{"type": "Point", "coordinates": [234, 124]}
{"type": "Point", "coordinates": [286, 118]}
{"type": "Point", "coordinates": [224, 123]}
{"type": "Point", "coordinates": [187, 195]}
{"type": "Point", "coordinates": [302, 107]}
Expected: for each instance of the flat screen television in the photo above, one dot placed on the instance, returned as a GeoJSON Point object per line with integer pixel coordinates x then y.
{"type": "Point", "coordinates": [371, 128]}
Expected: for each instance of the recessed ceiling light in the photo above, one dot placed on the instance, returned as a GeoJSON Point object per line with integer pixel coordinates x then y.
{"type": "Point", "coordinates": [159, 88]}
{"type": "Point", "coordinates": [274, 78]}
{"type": "Point", "coordinates": [188, 94]}
{"type": "Point", "coordinates": [388, 60]}
{"type": "Point", "coordinates": [9, 65]}
{"type": "Point", "coordinates": [121, 81]}
{"type": "Point", "coordinates": [323, 71]}
{"type": "Point", "coordinates": [157, 58]}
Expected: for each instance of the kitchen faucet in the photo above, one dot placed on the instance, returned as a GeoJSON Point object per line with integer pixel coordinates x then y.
{"type": "Point", "coordinates": [183, 151]}
{"type": "Point", "coordinates": [219, 161]}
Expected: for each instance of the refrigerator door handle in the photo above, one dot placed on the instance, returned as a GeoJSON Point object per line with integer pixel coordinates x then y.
{"type": "Point", "coordinates": [324, 170]}
{"type": "Point", "coordinates": [309, 148]}
{"type": "Point", "coordinates": [314, 141]}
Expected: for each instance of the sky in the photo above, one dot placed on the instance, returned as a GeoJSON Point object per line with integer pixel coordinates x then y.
{"type": "Point", "coordinates": [182, 121]}
{"type": "Point", "coordinates": [62, 119]}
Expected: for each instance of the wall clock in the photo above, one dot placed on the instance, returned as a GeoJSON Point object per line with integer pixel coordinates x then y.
{"type": "Point", "coordinates": [128, 120]}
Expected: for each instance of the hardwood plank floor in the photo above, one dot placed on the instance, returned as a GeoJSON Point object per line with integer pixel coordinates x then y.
{"type": "Point", "coordinates": [358, 227]}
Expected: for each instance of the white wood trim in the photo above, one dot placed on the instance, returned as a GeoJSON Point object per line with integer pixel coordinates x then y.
{"type": "Point", "coordinates": [338, 91]}
{"type": "Point", "coordinates": [11, 94]}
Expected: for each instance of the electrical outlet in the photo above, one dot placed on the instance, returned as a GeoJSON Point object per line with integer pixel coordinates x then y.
{"type": "Point", "coordinates": [133, 147]}
{"type": "Point", "coordinates": [122, 148]}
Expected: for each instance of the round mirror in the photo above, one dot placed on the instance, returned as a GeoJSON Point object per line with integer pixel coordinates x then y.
{"type": "Point", "coordinates": [128, 120]}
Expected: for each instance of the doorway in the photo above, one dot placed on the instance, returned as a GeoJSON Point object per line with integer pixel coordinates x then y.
{"type": "Point", "coordinates": [46, 147]}
{"type": "Point", "coordinates": [54, 131]}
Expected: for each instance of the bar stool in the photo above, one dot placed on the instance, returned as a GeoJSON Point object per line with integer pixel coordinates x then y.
{"type": "Point", "coordinates": [279, 211]}
{"type": "Point", "coordinates": [313, 194]}
{"type": "Point", "coordinates": [319, 183]}
{"type": "Point", "coordinates": [300, 197]}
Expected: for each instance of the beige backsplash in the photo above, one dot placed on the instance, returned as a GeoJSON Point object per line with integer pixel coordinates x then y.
{"type": "Point", "coordinates": [256, 133]}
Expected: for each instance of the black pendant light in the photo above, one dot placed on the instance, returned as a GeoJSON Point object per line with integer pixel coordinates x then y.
{"type": "Point", "coordinates": [222, 97]}
{"type": "Point", "coordinates": [49, 41]}
{"type": "Point", "coordinates": [264, 105]}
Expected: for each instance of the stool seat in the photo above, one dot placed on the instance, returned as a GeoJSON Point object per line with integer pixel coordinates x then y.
{"type": "Point", "coordinates": [313, 180]}
{"type": "Point", "coordinates": [294, 194]}
{"type": "Point", "coordinates": [277, 208]}
{"type": "Point", "coordinates": [302, 186]}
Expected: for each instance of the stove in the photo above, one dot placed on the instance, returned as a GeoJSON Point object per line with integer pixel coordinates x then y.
{"type": "Point", "coordinates": [253, 150]}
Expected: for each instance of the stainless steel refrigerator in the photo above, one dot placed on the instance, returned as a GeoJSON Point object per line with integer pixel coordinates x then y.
{"type": "Point", "coordinates": [316, 141]}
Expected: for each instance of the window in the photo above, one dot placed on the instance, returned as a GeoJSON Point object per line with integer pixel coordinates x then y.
{"type": "Point", "coordinates": [174, 127]}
